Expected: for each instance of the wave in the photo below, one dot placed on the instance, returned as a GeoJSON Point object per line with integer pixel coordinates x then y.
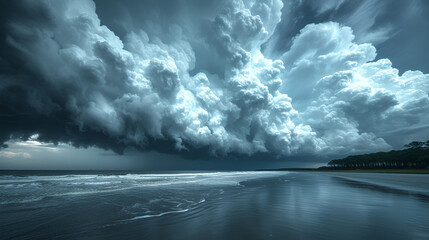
{"type": "Point", "coordinates": [156, 215]}
{"type": "Point", "coordinates": [36, 188]}
{"type": "Point", "coordinates": [22, 201]}
{"type": "Point", "coordinates": [193, 206]}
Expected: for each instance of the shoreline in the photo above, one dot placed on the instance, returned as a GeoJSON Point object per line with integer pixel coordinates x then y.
{"type": "Point", "coordinates": [125, 172]}
{"type": "Point", "coordinates": [398, 171]}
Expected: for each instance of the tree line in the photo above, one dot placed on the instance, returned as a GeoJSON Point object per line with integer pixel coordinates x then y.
{"type": "Point", "coordinates": [416, 155]}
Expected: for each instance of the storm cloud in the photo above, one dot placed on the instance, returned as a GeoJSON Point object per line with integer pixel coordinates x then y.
{"type": "Point", "coordinates": [191, 78]}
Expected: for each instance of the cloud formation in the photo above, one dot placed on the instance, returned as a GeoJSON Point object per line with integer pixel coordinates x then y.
{"type": "Point", "coordinates": [387, 24]}
{"type": "Point", "coordinates": [354, 100]}
{"type": "Point", "coordinates": [198, 84]}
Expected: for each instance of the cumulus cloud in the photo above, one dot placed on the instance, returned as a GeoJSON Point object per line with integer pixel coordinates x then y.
{"type": "Point", "coordinates": [348, 99]}
{"type": "Point", "coordinates": [387, 24]}
{"type": "Point", "coordinates": [200, 85]}
{"type": "Point", "coordinates": [138, 90]}
{"type": "Point", "coordinates": [319, 50]}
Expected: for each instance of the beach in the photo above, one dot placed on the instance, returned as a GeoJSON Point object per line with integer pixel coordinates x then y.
{"type": "Point", "coordinates": [215, 205]}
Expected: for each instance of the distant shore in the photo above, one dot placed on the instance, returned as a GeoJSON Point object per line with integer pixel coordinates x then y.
{"type": "Point", "coordinates": [405, 171]}
{"type": "Point", "coordinates": [401, 171]}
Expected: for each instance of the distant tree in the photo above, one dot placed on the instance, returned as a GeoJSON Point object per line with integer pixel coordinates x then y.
{"type": "Point", "coordinates": [416, 155]}
{"type": "Point", "coordinates": [416, 144]}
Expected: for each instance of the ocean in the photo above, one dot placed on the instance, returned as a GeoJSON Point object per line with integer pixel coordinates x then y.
{"type": "Point", "coordinates": [212, 205]}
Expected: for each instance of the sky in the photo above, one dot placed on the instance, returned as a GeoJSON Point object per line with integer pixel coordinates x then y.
{"type": "Point", "coordinates": [213, 84]}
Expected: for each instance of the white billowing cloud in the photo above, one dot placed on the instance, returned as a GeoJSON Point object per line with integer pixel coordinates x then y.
{"type": "Point", "coordinates": [347, 100]}
{"type": "Point", "coordinates": [319, 50]}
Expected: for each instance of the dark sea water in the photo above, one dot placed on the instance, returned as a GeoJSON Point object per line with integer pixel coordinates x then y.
{"type": "Point", "coordinates": [221, 205]}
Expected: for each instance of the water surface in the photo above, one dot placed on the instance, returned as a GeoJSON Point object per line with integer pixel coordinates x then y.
{"type": "Point", "coordinates": [214, 205]}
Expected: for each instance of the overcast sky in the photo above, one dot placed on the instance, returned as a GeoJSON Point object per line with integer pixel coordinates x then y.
{"type": "Point", "coordinates": [159, 85]}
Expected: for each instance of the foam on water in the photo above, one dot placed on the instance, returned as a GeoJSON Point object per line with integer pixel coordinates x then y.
{"type": "Point", "coordinates": [134, 196]}
{"type": "Point", "coordinates": [17, 190]}
{"type": "Point", "coordinates": [157, 215]}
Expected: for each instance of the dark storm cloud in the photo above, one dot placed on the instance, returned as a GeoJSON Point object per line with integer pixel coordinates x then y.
{"type": "Point", "coordinates": [188, 77]}
{"type": "Point", "coordinates": [73, 80]}
{"type": "Point", "coordinates": [29, 103]}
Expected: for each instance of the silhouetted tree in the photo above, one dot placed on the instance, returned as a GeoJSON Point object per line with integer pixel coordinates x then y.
{"type": "Point", "coordinates": [415, 156]}
{"type": "Point", "coordinates": [415, 144]}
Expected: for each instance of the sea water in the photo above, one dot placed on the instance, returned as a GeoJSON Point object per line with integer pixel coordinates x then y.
{"type": "Point", "coordinates": [213, 205]}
